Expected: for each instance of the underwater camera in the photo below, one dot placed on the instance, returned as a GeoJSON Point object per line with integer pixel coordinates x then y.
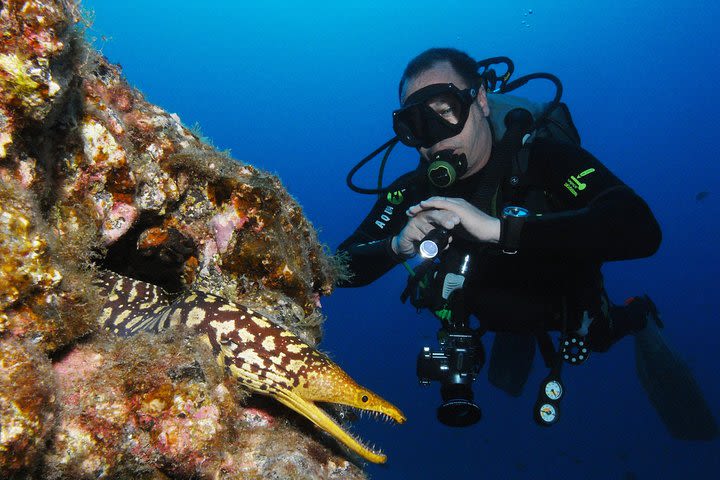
{"type": "Point", "coordinates": [455, 366]}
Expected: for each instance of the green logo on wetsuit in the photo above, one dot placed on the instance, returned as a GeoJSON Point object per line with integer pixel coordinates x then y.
{"type": "Point", "coordinates": [575, 185]}
{"type": "Point", "coordinates": [396, 197]}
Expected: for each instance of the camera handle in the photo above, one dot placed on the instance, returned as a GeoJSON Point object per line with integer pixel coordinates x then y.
{"type": "Point", "coordinates": [454, 314]}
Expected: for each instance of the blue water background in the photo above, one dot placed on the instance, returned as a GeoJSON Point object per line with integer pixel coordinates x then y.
{"type": "Point", "coordinates": [305, 89]}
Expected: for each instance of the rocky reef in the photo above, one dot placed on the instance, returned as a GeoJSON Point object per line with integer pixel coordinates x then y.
{"type": "Point", "coordinates": [92, 178]}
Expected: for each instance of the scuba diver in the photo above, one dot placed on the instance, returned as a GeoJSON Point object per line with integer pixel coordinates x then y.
{"type": "Point", "coordinates": [512, 221]}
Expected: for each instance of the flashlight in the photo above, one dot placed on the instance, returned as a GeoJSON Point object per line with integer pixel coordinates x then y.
{"type": "Point", "coordinates": [434, 242]}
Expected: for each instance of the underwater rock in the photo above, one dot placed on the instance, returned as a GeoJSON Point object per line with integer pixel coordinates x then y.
{"type": "Point", "coordinates": [42, 298]}
{"type": "Point", "coordinates": [92, 176]}
{"type": "Point", "coordinates": [110, 169]}
{"type": "Point", "coordinates": [35, 37]}
{"type": "Point", "coordinates": [160, 403]}
{"type": "Point", "coordinates": [27, 406]}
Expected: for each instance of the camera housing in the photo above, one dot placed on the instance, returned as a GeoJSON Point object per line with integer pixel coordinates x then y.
{"type": "Point", "coordinates": [455, 366]}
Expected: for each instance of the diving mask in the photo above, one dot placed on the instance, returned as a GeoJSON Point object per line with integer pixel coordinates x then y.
{"type": "Point", "coordinates": [433, 113]}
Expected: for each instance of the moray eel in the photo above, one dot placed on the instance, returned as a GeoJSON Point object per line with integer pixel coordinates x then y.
{"type": "Point", "coordinates": [261, 355]}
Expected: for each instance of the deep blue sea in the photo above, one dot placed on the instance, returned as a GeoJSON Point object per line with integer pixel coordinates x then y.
{"type": "Point", "coordinates": [305, 89]}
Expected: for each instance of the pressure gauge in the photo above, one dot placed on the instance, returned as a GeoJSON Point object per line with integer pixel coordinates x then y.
{"type": "Point", "coordinates": [553, 390]}
{"type": "Point", "coordinates": [547, 406]}
{"type": "Point", "coordinates": [548, 413]}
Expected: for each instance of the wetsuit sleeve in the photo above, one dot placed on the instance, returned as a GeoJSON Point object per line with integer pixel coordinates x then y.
{"type": "Point", "coordinates": [595, 214]}
{"type": "Point", "coordinates": [368, 249]}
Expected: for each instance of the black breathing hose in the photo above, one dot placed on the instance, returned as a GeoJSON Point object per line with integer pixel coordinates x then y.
{"type": "Point", "coordinates": [389, 145]}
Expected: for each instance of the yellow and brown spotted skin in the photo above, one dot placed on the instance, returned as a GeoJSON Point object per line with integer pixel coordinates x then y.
{"type": "Point", "coordinates": [258, 352]}
{"type": "Point", "coordinates": [263, 356]}
{"type": "Point", "coordinates": [132, 306]}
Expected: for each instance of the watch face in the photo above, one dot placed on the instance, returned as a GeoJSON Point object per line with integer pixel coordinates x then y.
{"type": "Point", "coordinates": [553, 390]}
{"type": "Point", "coordinates": [511, 211]}
{"type": "Point", "coordinates": [548, 413]}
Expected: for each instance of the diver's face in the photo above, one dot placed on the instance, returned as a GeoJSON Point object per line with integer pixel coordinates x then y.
{"type": "Point", "coordinates": [475, 140]}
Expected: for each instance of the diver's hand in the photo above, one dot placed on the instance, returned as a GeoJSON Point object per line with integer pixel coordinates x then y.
{"type": "Point", "coordinates": [418, 226]}
{"type": "Point", "coordinates": [476, 222]}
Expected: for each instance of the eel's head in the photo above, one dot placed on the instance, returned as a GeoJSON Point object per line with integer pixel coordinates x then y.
{"type": "Point", "coordinates": [273, 361]}
{"type": "Point", "coordinates": [264, 357]}
{"type": "Point", "coordinates": [325, 381]}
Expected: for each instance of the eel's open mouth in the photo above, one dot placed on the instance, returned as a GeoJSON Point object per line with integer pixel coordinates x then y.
{"type": "Point", "coordinates": [344, 416]}
{"type": "Point", "coordinates": [323, 420]}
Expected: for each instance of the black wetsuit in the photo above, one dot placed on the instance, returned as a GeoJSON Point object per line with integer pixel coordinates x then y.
{"type": "Point", "coordinates": [581, 216]}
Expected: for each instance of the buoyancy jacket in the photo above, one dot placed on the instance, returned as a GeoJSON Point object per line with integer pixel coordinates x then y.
{"type": "Point", "coordinates": [581, 215]}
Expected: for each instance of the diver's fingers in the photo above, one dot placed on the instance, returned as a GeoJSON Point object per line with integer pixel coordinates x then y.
{"type": "Point", "coordinates": [445, 203]}
{"type": "Point", "coordinates": [421, 226]}
{"type": "Point", "coordinates": [459, 211]}
{"type": "Point", "coordinates": [414, 210]}
{"type": "Point", "coordinates": [438, 218]}
{"type": "Point", "coordinates": [450, 221]}
{"type": "Point", "coordinates": [413, 232]}
{"type": "Point", "coordinates": [455, 205]}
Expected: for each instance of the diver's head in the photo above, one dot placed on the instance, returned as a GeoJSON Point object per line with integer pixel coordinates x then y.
{"type": "Point", "coordinates": [450, 107]}
{"type": "Point", "coordinates": [462, 63]}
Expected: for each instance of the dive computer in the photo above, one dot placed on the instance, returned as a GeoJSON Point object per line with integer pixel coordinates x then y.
{"type": "Point", "coordinates": [513, 218]}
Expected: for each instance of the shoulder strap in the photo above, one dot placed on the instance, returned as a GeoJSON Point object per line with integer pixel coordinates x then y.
{"type": "Point", "coordinates": [511, 152]}
{"type": "Point", "coordinates": [519, 166]}
{"type": "Point", "coordinates": [517, 124]}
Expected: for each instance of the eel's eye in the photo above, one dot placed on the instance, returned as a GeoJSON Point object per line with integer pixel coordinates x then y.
{"type": "Point", "coordinates": [365, 398]}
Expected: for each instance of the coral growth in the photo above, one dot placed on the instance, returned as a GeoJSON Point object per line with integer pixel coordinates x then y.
{"type": "Point", "coordinates": [27, 405]}
{"type": "Point", "coordinates": [135, 407]}
{"type": "Point", "coordinates": [92, 176]}
{"type": "Point", "coordinates": [41, 294]}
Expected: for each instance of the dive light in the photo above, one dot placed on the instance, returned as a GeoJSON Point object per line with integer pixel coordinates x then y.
{"type": "Point", "coordinates": [434, 243]}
